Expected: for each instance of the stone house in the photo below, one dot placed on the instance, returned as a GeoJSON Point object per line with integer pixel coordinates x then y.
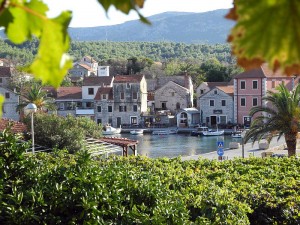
{"type": "Point", "coordinates": [104, 106]}
{"type": "Point", "coordinates": [251, 86]}
{"type": "Point", "coordinates": [216, 106]}
{"type": "Point", "coordinates": [130, 99]}
{"type": "Point", "coordinates": [173, 97]}
{"type": "Point", "coordinates": [89, 90]}
{"type": "Point", "coordinates": [158, 83]}
{"type": "Point", "coordinates": [205, 87]}
{"type": "Point", "coordinates": [86, 67]}
{"type": "Point", "coordinates": [9, 107]}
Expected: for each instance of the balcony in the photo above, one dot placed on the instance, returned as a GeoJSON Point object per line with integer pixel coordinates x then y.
{"type": "Point", "coordinates": [85, 111]}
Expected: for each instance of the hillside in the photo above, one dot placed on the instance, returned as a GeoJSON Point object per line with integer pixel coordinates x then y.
{"type": "Point", "coordinates": [208, 27]}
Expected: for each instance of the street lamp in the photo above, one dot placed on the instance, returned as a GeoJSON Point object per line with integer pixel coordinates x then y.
{"type": "Point", "coordinates": [31, 109]}
{"type": "Point", "coordinates": [243, 149]}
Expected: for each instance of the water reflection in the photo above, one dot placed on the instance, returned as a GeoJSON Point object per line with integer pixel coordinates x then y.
{"type": "Point", "coordinates": [155, 146]}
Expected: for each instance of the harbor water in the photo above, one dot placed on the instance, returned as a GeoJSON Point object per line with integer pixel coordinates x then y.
{"type": "Point", "coordinates": [174, 145]}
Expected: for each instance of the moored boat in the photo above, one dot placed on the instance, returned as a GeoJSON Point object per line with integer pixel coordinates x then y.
{"type": "Point", "coordinates": [236, 134]}
{"type": "Point", "coordinates": [136, 132]}
{"type": "Point", "coordinates": [213, 133]}
{"type": "Point", "coordinates": [109, 130]}
{"type": "Point", "coordinates": [199, 131]}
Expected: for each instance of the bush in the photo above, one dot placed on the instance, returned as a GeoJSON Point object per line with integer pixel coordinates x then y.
{"type": "Point", "coordinates": [63, 132]}
{"type": "Point", "coordinates": [59, 188]}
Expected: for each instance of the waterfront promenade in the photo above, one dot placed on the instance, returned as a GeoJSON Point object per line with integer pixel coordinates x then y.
{"type": "Point", "coordinates": [276, 147]}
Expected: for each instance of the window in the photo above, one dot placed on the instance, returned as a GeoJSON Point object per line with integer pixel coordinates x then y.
{"type": "Point", "coordinates": [122, 95]}
{"type": "Point", "coordinates": [1, 81]}
{"type": "Point", "coordinates": [273, 83]}
{"type": "Point", "coordinates": [7, 95]}
{"type": "Point", "coordinates": [103, 96]}
{"type": "Point", "coordinates": [99, 121]}
{"type": "Point", "coordinates": [243, 84]}
{"type": "Point", "coordinates": [211, 102]}
{"type": "Point", "coordinates": [135, 108]}
{"type": "Point", "coordinates": [215, 92]}
{"type": "Point", "coordinates": [243, 102]}
{"type": "Point", "coordinates": [163, 105]}
{"type": "Point", "coordinates": [173, 94]}
{"type": "Point", "coordinates": [99, 109]}
{"type": "Point", "coordinates": [201, 91]}
{"type": "Point", "coordinates": [134, 95]}
{"type": "Point", "coordinates": [122, 108]}
{"type": "Point", "coordinates": [91, 91]}
{"type": "Point", "coordinates": [89, 104]}
{"type": "Point", "coordinates": [109, 108]}
{"type": "Point", "coordinates": [254, 101]}
{"type": "Point", "coordinates": [61, 106]}
{"type": "Point", "coordinates": [223, 102]}
{"type": "Point", "coordinates": [127, 85]}
{"type": "Point", "coordinates": [254, 84]}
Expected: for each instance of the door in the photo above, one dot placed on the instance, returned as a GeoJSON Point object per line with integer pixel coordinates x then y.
{"type": "Point", "coordinates": [119, 121]}
{"type": "Point", "coordinates": [213, 120]}
{"type": "Point", "coordinates": [247, 121]}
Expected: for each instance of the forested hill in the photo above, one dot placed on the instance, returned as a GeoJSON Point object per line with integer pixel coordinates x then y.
{"type": "Point", "coordinates": [208, 27]}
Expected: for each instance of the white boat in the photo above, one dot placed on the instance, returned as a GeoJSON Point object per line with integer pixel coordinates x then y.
{"type": "Point", "coordinates": [199, 130]}
{"type": "Point", "coordinates": [213, 133]}
{"type": "Point", "coordinates": [111, 130]}
{"type": "Point", "coordinates": [136, 132]}
{"type": "Point", "coordinates": [164, 132]}
{"type": "Point", "coordinates": [236, 135]}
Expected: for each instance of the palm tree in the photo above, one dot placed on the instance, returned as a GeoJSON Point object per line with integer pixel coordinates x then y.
{"type": "Point", "coordinates": [281, 116]}
{"type": "Point", "coordinates": [37, 96]}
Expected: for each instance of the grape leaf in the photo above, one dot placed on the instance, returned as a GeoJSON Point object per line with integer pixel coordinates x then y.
{"type": "Point", "coordinates": [267, 31]}
{"type": "Point", "coordinates": [52, 63]}
{"type": "Point", "coordinates": [125, 6]}
{"type": "Point", "coordinates": [26, 23]}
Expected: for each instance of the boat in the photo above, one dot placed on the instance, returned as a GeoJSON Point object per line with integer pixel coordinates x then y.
{"type": "Point", "coordinates": [237, 134]}
{"type": "Point", "coordinates": [165, 132]}
{"type": "Point", "coordinates": [199, 131]}
{"type": "Point", "coordinates": [136, 132]}
{"type": "Point", "coordinates": [213, 133]}
{"type": "Point", "coordinates": [109, 130]}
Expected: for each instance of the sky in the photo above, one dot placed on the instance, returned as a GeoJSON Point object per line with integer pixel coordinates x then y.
{"type": "Point", "coordinates": [89, 13]}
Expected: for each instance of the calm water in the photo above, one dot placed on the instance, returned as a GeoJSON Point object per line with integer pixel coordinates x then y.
{"type": "Point", "coordinates": [174, 145]}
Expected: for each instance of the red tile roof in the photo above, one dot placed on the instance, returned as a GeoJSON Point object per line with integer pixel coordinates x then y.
{"type": "Point", "coordinates": [69, 93]}
{"type": "Point", "coordinates": [97, 81]}
{"type": "Point", "coordinates": [104, 90]}
{"type": "Point", "coordinates": [63, 93]}
{"type": "Point", "coordinates": [128, 78]}
{"type": "Point", "coordinates": [5, 71]}
{"type": "Point", "coordinates": [85, 66]}
{"type": "Point", "coordinates": [262, 72]}
{"type": "Point", "coordinates": [227, 89]}
{"type": "Point", "coordinates": [17, 127]}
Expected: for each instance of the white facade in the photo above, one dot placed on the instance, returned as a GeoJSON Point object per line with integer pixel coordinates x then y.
{"type": "Point", "coordinates": [103, 71]}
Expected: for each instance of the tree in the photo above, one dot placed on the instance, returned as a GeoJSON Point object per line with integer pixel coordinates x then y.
{"type": "Point", "coordinates": [281, 116]}
{"type": "Point", "coordinates": [37, 96]}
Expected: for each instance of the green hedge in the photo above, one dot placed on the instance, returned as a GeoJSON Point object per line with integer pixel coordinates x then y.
{"type": "Point", "coordinates": [60, 188]}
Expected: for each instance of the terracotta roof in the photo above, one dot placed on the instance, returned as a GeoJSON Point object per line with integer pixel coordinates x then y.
{"type": "Point", "coordinates": [69, 93]}
{"type": "Point", "coordinates": [227, 89]}
{"type": "Point", "coordinates": [104, 90]}
{"type": "Point", "coordinates": [97, 81]}
{"type": "Point", "coordinates": [128, 78]}
{"type": "Point", "coordinates": [17, 127]}
{"type": "Point", "coordinates": [85, 66]}
{"type": "Point", "coordinates": [5, 71]}
{"type": "Point", "coordinates": [214, 84]}
{"type": "Point", "coordinates": [262, 72]}
{"type": "Point", "coordinates": [64, 92]}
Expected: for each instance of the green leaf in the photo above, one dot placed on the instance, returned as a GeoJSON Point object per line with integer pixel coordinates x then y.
{"type": "Point", "coordinates": [28, 20]}
{"type": "Point", "coordinates": [125, 6]}
{"type": "Point", "coordinates": [52, 63]}
{"type": "Point", "coordinates": [267, 31]}
{"type": "Point", "coordinates": [1, 104]}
